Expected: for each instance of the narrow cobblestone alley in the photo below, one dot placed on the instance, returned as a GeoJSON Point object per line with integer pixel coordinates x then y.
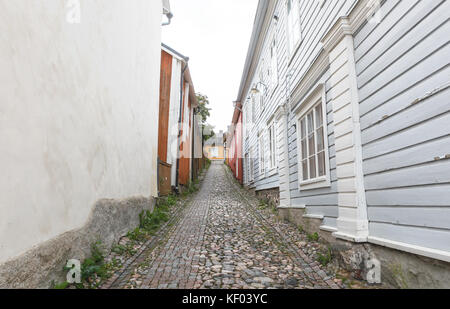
{"type": "Point", "coordinates": [221, 240]}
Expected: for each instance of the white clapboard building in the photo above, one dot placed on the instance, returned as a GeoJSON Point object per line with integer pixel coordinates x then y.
{"type": "Point", "coordinates": [346, 122]}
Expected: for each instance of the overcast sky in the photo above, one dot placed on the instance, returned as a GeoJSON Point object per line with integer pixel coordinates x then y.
{"type": "Point", "coordinates": [215, 35]}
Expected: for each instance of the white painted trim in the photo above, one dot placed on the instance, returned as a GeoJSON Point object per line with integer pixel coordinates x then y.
{"type": "Point", "coordinates": [348, 237]}
{"type": "Point", "coordinates": [328, 228]}
{"type": "Point", "coordinates": [428, 252]}
{"type": "Point", "coordinates": [280, 112]}
{"type": "Point", "coordinates": [348, 25]}
{"type": "Point", "coordinates": [314, 98]}
{"type": "Point", "coordinates": [292, 207]}
{"type": "Point", "coordinates": [311, 216]}
{"type": "Point", "coordinates": [281, 116]}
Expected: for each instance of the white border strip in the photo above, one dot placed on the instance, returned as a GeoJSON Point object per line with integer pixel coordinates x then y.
{"type": "Point", "coordinates": [428, 252]}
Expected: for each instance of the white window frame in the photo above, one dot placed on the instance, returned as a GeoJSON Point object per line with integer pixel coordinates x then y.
{"type": "Point", "coordinates": [260, 99]}
{"type": "Point", "coordinates": [248, 118]}
{"type": "Point", "coordinates": [251, 175]}
{"type": "Point", "coordinates": [274, 77]}
{"type": "Point", "coordinates": [253, 108]}
{"type": "Point", "coordinates": [273, 153]}
{"type": "Point", "coordinates": [262, 91]}
{"type": "Point", "coordinates": [317, 97]}
{"type": "Point", "coordinates": [261, 154]}
{"type": "Point", "coordinates": [293, 23]}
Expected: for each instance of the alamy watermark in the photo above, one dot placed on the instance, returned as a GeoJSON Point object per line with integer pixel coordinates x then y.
{"type": "Point", "coordinates": [74, 273]}
{"type": "Point", "coordinates": [374, 273]}
{"type": "Point", "coordinates": [73, 15]}
{"type": "Point", "coordinates": [375, 14]}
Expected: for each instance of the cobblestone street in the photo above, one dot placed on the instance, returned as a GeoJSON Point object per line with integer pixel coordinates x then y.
{"type": "Point", "coordinates": [222, 240]}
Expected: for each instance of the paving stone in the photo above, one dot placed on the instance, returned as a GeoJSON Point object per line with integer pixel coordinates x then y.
{"type": "Point", "coordinates": [221, 239]}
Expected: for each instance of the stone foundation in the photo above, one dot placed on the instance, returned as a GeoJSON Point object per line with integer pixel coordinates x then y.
{"type": "Point", "coordinates": [108, 222]}
{"type": "Point", "coordinates": [399, 269]}
{"type": "Point", "coordinates": [270, 196]}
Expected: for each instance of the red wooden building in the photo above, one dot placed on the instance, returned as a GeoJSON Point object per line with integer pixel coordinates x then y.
{"type": "Point", "coordinates": [179, 135]}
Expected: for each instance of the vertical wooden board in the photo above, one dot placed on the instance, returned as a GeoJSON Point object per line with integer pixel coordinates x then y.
{"type": "Point", "coordinates": [164, 105]}
{"type": "Point", "coordinates": [165, 181]}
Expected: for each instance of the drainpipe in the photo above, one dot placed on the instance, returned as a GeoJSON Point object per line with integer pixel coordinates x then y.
{"type": "Point", "coordinates": [169, 19]}
{"type": "Point", "coordinates": [180, 118]}
{"type": "Point", "coordinates": [168, 12]}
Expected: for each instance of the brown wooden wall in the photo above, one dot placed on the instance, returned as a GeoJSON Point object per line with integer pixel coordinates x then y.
{"type": "Point", "coordinates": [164, 105]}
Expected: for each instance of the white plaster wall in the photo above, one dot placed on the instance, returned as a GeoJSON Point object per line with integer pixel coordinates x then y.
{"type": "Point", "coordinates": [78, 113]}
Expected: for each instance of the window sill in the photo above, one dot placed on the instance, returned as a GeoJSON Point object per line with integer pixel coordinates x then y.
{"type": "Point", "coordinates": [317, 183]}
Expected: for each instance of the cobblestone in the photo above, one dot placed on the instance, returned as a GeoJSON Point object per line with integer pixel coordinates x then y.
{"type": "Point", "coordinates": [224, 239]}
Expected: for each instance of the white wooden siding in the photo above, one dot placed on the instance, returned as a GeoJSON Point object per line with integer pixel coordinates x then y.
{"type": "Point", "coordinates": [404, 86]}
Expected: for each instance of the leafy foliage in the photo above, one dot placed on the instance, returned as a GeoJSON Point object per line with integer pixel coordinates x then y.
{"type": "Point", "coordinates": [313, 237]}
{"type": "Point", "coordinates": [324, 259]}
{"type": "Point", "coordinates": [204, 112]}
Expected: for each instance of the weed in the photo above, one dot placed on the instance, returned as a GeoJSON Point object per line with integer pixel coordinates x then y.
{"type": "Point", "coordinates": [313, 237]}
{"type": "Point", "coordinates": [263, 205]}
{"type": "Point", "coordinates": [93, 268]}
{"type": "Point", "coordinates": [300, 228]}
{"type": "Point", "coordinates": [60, 286]}
{"type": "Point", "coordinates": [121, 249]}
{"type": "Point", "coordinates": [325, 259]}
{"type": "Point", "coordinates": [137, 235]}
{"type": "Point", "coordinates": [172, 200]}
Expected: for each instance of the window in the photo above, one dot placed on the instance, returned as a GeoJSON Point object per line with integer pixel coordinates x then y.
{"type": "Point", "coordinates": [313, 159]}
{"type": "Point", "coordinates": [246, 167]}
{"type": "Point", "coordinates": [312, 143]}
{"type": "Point", "coordinates": [261, 154]}
{"type": "Point", "coordinates": [214, 152]}
{"type": "Point", "coordinates": [261, 88]}
{"type": "Point", "coordinates": [248, 118]}
{"type": "Point", "coordinates": [251, 166]}
{"type": "Point", "coordinates": [253, 107]}
{"type": "Point", "coordinates": [293, 24]}
{"type": "Point", "coordinates": [274, 64]}
{"type": "Point", "coordinates": [272, 147]}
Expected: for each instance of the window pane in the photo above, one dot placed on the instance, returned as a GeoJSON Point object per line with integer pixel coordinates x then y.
{"type": "Point", "coordinates": [304, 150]}
{"type": "Point", "coordinates": [305, 169]}
{"type": "Point", "coordinates": [311, 145]}
{"type": "Point", "coordinates": [303, 128]}
{"type": "Point", "coordinates": [319, 116]}
{"type": "Point", "coordinates": [310, 123]}
{"type": "Point", "coordinates": [274, 147]}
{"type": "Point", "coordinates": [320, 140]}
{"type": "Point", "coordinates": [312, 167]}
{"type": "Point", "coordinates": [321, 163]}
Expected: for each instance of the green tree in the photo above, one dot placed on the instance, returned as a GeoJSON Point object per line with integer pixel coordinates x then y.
{"type": "Point", "coordinates": [204, 112]}
{"type": "Point", "coordinates": [203, 109]}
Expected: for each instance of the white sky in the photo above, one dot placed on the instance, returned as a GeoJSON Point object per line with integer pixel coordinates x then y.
{"type": "Point", "coordinates": [215, 35]}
